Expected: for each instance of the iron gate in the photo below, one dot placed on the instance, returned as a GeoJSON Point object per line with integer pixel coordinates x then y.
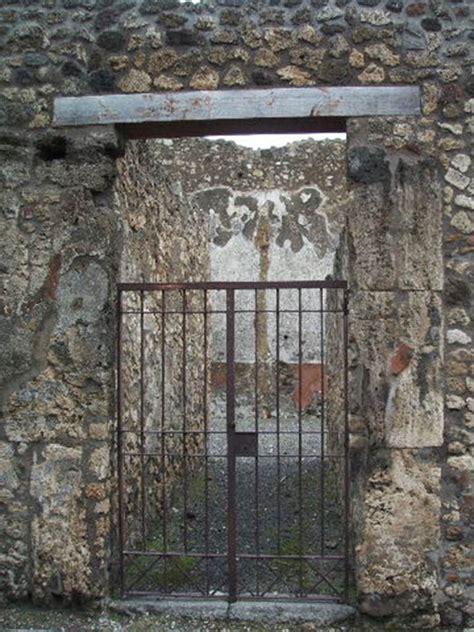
{"type": "Point", "coordinates": [233, 439]}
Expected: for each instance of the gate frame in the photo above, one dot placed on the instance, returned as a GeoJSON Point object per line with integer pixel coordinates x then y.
{"type": "Point", "coordinates": [230, 288]}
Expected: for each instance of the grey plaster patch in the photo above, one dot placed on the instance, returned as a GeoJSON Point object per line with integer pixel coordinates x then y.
{"type": "Point", "coordinates": [293, 215]}
{"type": "Point", "coordinates": [413, 37]}
{"type": "Point", "coordinates": [368, 165]}
{"type": "Point", "coordinates": [273, 214]}
{"type": "Point", "coordinates": [82, 295]}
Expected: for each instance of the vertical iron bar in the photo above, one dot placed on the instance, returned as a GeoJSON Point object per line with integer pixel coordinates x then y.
{"type": "Point", "coordinates": [346, 444]}
{"type": "Point", "coordinates": [142, 421]}
{"type": "Point", "coordinates": [120, 464]}
{"type": "Point", "coordinates": [278, 420]}
{"type": "Point", "coordinates": [231, 458]}
{"type": "Point", "coordinates": [206, 447]}
{"type": "Point", "coordinates": [185, 463]}
{"type": "Point", "coordinates": [257, 534]}
{"type": "Point", "coordinates": [322, 481]}
{"type": "Point", "coordinates": [163, 442]}
{"type": "Point", "coordinates": [300, 444]}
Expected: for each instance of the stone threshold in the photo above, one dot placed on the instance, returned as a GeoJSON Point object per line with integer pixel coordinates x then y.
{"type": "Point", "coordinates": [268, 612]}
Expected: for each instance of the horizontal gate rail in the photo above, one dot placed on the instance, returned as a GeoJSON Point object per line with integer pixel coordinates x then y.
{"type": "Point", "coordinates": [234, 285]}
{"type": "Point", "coordinates": [244, 556]}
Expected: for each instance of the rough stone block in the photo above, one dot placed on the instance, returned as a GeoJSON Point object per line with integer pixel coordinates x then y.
{"type": "Point", "coordinates": [60, 550]}
{"type": "Point", "coordinates": [8, 477]}
{"type": "Point", "coordinates": [402, 408]}
{"type": "Point", "coordinates": [395, 224]}
{"type": "Point", "coordinates": [82, 293]}
{"type": "Point", "coordinates": [401, 498]}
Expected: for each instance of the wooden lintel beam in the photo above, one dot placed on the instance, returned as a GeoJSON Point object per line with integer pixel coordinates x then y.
{"type": "Point", "coordinates": [277, 103]}
{"type": "Point", "coordinates": [232, 127]}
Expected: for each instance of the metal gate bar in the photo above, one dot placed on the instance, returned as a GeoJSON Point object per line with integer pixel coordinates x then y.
{"type": "Point", "coordinates": [163, 456]}
{"type": "Point", "coordinates": [233, 285]}
{"type": "Point", "coordinates": [231, 478]}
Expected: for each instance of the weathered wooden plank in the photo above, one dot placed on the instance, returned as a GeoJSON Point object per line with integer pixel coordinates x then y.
{"type": "Point", "coordinates": [237, 105]}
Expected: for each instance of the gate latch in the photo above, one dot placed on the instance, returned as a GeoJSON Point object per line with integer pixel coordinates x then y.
{"type": "Point", "coordinates": [245, 443]}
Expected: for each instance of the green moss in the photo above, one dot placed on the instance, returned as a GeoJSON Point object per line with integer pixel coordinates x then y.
{"type": "Point", "coordinates": [177, 572]}
{"type": "Point", "coordinates": [176, 575]}
{"type": "Point", "coordinates": [197, 488]}
{"type": "Point", "coordinates": [289, 569]}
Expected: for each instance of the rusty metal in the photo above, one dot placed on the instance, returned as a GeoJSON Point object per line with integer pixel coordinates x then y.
{"type": "Point", "coordinates": [142, 419]}
{"type": "Point", "coordinates": [163, 456]}
{"type": "Point", "coordinates": [206, 437]}
{"type": "Point", "coordinates": [231, 452]}
{"type": "Point", "coordinates": [255, 446]}
{"type": "Point", "coordinates": [300, 444]}
{"type": "Point", "coordinates": [184, 438]}
{"type": "Point", "coordinates": [120, 438]}
{"type": "Point", "coordinates": [164, 532]}
{"type": "Point", "coordinates": [234, 285]}
{"type": "Point", "coordinates": [322, 480]}
{"type": "Point", "coordinates": [277, 410]}
{"type": "Point", "coordinates": [346, 445]}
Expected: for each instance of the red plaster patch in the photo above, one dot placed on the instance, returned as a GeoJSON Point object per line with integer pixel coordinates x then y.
{"type": "Point", "coordinates": [311, 382]}
{"type": "Point", "coordinates": [418, 8]}
{"type": "Point", "coordinates": [401, 359]}
{"type": "Point", "coordinates": [467, 509]}
{"type": "Point", "coordinates": [218, 375]}
{"type": "Point", "coordinates": [52, 281]}
{"type": "Point", "coordinates": [49, 288]}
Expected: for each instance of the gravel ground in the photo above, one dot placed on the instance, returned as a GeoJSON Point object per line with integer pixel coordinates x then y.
{"type": "Point", "coordinates": [27, 618]}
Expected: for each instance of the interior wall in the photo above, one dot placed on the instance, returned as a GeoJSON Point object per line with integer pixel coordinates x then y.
{"type": "Point", "coordinates": [164, 233]}
{"type": "Point", "coordinates": [271, 214]}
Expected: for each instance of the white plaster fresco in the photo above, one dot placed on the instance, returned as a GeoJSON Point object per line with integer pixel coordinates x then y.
{"type": "Point", "coordinates": [269, 235]}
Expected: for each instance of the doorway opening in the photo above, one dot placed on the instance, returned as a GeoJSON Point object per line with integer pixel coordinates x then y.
{"type": "Point", "coordinates": [230, 382]}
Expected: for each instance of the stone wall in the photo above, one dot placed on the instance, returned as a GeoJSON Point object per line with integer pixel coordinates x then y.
{"type": "Point", "coordinates": [60, 248]}
{"type": "Point", "coordinates": [57, 366]}
{"type": "Point", "coordinates": [396, 338]}
{"type": "Point", "coordinates": [164, 240]}
{"type": "Point", "coordinates": [396, 355]}
{"type": "Point", "coordinates": [60, 242]}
